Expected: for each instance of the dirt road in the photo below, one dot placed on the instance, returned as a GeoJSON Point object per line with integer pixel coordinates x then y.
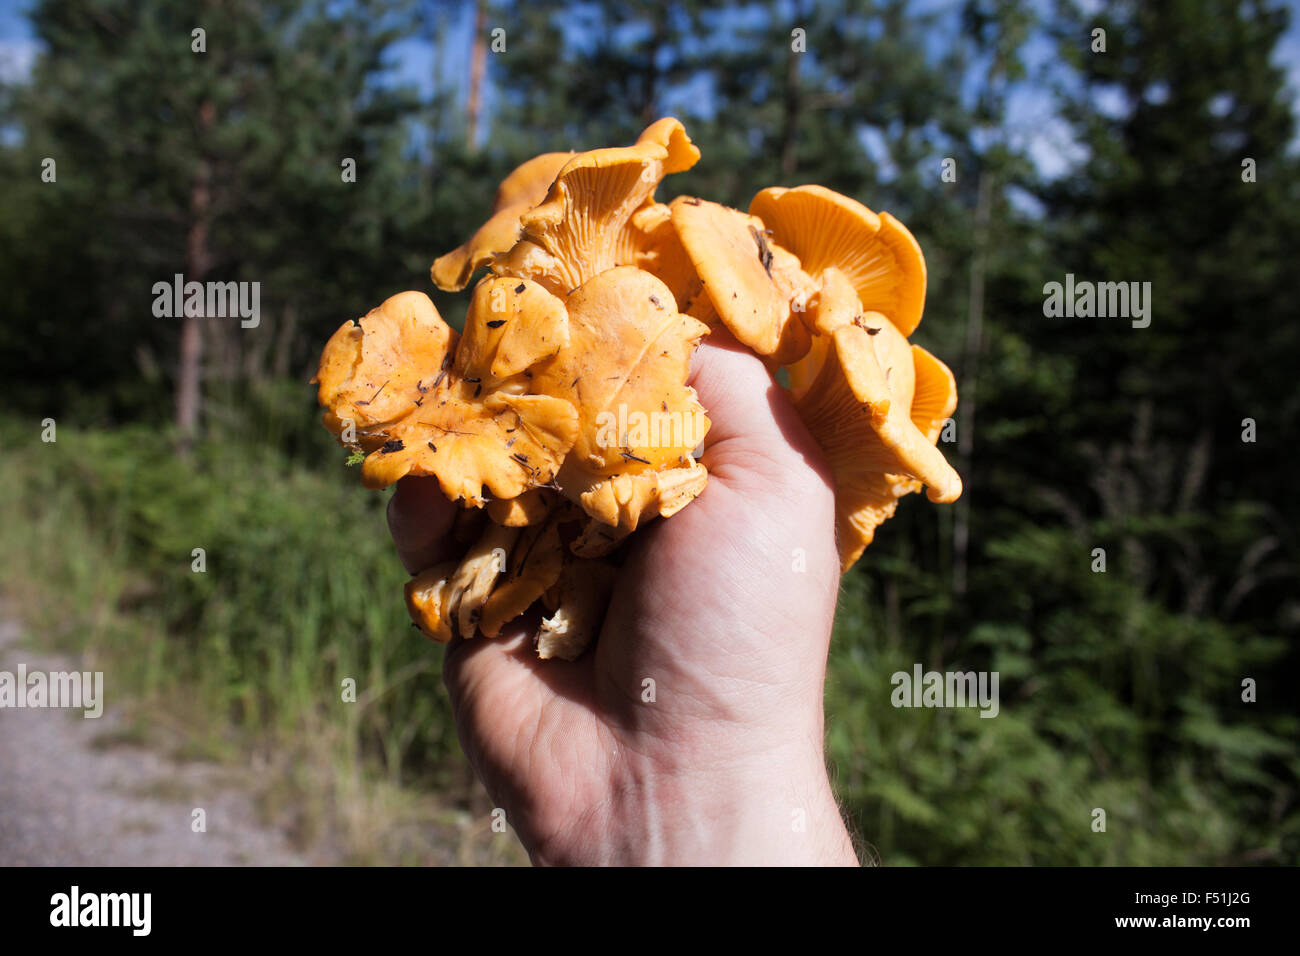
{"type": "Point", "coordinates": [72, 793]}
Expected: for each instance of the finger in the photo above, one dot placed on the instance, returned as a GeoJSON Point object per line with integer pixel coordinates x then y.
{"type": "Point", "coordinates": [420, 519]}
{"type": "Point", "coordinates": [753, 423]}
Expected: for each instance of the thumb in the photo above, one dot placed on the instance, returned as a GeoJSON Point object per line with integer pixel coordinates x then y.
{"type": "Point", "coordinates": [756, 442]}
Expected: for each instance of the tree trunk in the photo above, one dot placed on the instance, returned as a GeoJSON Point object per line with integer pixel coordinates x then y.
{"type": "Point", "coordinates": [970, 375]}
{"type": "Point", "coordinates": [477, 66]}
{"type": "Point", "coordinates": [284, 341]}
{"type": "Point", "coordinates": [790, 119]}
{"type": "Point", "coordinates": [197, 259]}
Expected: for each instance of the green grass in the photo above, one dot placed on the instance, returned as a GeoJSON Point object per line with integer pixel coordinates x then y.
{"type": "Point", "coordinates": [301, 590]}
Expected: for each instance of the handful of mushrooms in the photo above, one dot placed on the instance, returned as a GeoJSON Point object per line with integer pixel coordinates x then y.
{"type": "Point", "coordinates": [561, 419]}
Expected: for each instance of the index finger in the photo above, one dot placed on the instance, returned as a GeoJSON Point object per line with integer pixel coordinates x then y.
{"type": "Point", "coordinates": [420, 519]}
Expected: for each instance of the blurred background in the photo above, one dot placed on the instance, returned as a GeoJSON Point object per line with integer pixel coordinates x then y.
{"type": "Point", "coordinates": [1120, 690]}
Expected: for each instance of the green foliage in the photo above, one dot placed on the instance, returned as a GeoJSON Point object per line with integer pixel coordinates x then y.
{"type": "Point", "coordinates": [300, 589]}
{"type": "Point", "coordinates": [147, 133]}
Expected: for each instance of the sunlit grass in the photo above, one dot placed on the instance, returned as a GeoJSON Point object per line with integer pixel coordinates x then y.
{"type": "Point", "coordinates": [248, 656]}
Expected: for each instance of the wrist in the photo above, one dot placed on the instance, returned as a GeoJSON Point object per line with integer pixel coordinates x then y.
{"type": "Point", "coordinates": [778, 811]}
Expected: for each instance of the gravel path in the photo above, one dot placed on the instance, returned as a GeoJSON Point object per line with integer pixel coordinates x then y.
{"type": "Point", "coordinates": [71, 794]}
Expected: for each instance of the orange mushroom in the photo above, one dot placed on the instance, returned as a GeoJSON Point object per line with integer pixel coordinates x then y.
{"type": "Point", "coordinates": [857, 392]}
{"type": "Point", "coordinates": [464, 416]}
{"type": "Point", "coordinates": [655, 246]}
{"type": "Point", "coordinates": [576, 233]}
{"type": "Point", "coordinates": [519, 192]}
{"type": "Point", "coordinates": [585, 226]}
{"type": "Point", "coordinates": [755, 287]}
{"type": "Point", "coordinates": [669, 133]}
{"type": "Point", "coordinates": [448, 599]}
{"type": "Point", "coordinates": [372, 368]}
{"type": "Point", "coordinates": [880, 257]}
{"type": "Point", "coordinates": [534, 567]}
{"type": "Point", "coordinates": [529, 508]}
{"type": "Point", "coordinates": [625, 371]}
{"type": "Point", "coordinates": [428, 601]}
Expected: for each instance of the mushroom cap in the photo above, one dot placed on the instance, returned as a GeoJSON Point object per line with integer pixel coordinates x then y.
{"type": "Point", "coordinates": [529, 508]}
{"type": "Point", "coordinates": [672, 136]}
{"type": "Point", "coordinates": [869, 500]}
{"type": "Point", "coordinates": [625, 370]}
{"type": "Point", "coordinates": [501, 444]}
{"type": "Point", "coordinates": [512, 324]}
{"type": "Point", "coordinates": [750, 281]}
{"type": "Point", "coordinates": [879, 255]}
{"type": "Point", "coordinates": [370, 368]}
{"type": "Point", "coordinates": [653, 245]}
{"type": "Point", "coordinates": [876, 432]}
{"type": "Point", "coordinates": [624, 501]}
{"type": "Point", "coordinates": [523, 189]}
{"type": "Point", "coordinates": [837, 305]}
{"type": "Point", "coordinates": [584, 224]}
{"type": "Point", "coordinates": [467, 420]}
{"type": "Point", "coordinates": [576, 233]}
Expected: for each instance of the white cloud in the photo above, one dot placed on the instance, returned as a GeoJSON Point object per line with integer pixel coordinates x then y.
{"type": "Point", "coordinates": [17, 57]}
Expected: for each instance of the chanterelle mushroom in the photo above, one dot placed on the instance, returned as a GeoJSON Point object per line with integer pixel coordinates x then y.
{"type": "Point", "coordinates": [529, 508]}
{"type": "Point", "coordinates": [584, 226]}
{"type": "Point", "coordinates": [449, 598]}
{"type": "Point", "coordinates": [876, 252]}
{"type": "Point", "coordinates": [625, 371]}
{"type": "Point", "coordinates": [428, 601]}
{"type": "Point", "coordinates": [659, 251]}
{"type": "Point", "coordinates": [533, 567]}
{"type": "Point", "coordinates": [857, 395]}
{"type": "Point", "coordinates": [669, 133]}
{"type": "Point", "coordinates": [465, 416]}
{"type": "Point", "coordinates": [757, 288]}
{"type": "Point", "coordinates": [371, 368]}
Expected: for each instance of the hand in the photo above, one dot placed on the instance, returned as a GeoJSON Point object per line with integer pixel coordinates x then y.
{"type": "Point", "coordinates": [725, 765]}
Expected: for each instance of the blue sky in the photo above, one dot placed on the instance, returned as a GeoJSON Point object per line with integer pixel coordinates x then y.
{"type": "Point", "coordinates": [1033, 126]}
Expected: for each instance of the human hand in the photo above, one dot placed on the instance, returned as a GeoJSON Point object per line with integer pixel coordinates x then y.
{"type": "Point", "coordinates": [725, 765]}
